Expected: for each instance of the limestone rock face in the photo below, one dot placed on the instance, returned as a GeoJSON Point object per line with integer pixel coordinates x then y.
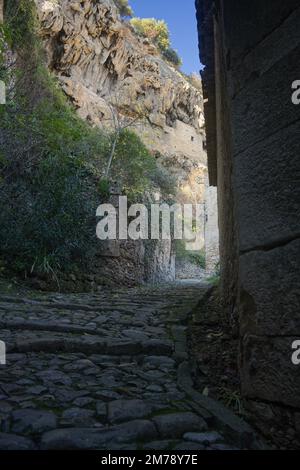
{"type": "Point", "coordinates": [105, 68]}
{"type": "Point", "coordinates": [100, 60]}
{"type": "Point", "coordinates": [103, 65]}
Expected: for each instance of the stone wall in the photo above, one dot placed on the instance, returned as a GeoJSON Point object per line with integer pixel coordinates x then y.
{"type": "Point", "coordinates": [180, 139]}
{"type": "Point", "coordinates": [220, 158]}
{"type": "Point", "coordinates": [159, 261]}
{"type": "Point", "coordinates": [212, 252]}
{"type": "Point", "coordinates": [253, 150]}
{"type": "Point", "coordinates": [132, 262]}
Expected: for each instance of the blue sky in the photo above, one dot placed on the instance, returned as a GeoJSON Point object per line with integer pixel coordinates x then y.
{"type": "Point", "coordinates": [181, 18]}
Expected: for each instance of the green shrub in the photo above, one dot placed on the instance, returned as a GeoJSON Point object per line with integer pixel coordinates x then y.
{"type": "Point", "coordinates": [198, 258]}
{"type": "Point", "coordinates": [155, 30]}
{"type": "Point", "coordinates": [133, 165]}
{"type": "Point", "coordinates": [216, 277]}
{"type": "Point", "coordinates": [214, 280]}
{"type": "Point", "coordinates": [20, 23]}
{"type": "Point", "coordinates": [124, 8]}
{"type": "Point", "coordinates": [195, 257]}
{"type": "Point", "coordinates": [48, 190]}
{"type": "Point", "coordinates": [50, 164]}
{"type": "Point", "coordinates": [166, 183]}
{"type": "Point", "coordinates": [180, 249]}
{"type": "Point", "coordinates": [48, 219]}
{"type": "Point", "coordinates": [103, 188]}
{"type": "Point", "coordinates": [172, 56]}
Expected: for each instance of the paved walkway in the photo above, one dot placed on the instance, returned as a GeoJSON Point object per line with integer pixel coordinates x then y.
{"type": "Point", "coordinates": [107, 371]}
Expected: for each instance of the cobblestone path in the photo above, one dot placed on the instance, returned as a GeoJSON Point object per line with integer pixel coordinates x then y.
{"type": "Point", "coordinates": [107, 371]}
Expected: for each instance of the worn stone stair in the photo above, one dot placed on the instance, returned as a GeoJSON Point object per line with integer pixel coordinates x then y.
{"type": "Point", "coordinates": [107, 371]}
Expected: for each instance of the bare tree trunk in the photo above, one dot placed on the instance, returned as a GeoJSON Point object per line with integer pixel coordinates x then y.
{"type": "Point", "coordinates": [112, 153]}
{"type": "Point", "coordinates": [1, 11]}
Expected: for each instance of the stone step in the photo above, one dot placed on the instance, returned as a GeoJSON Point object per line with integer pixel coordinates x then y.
{"type": "Point", "coordinates": [46, 325]}
{"type": "Point", "coordinates": [102, 371]}
{"type": "Point", "coordinates": [92, 345]}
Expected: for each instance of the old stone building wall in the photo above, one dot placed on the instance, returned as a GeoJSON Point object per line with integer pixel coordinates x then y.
{"type": "Point", "coordinates": [220, 159]}
{"type": "Point", "coordinates": [180, 139]}
{"type": "Point", "coordinates": [212, 251]}
{"type": "Point", "coordinates": [251, 52]}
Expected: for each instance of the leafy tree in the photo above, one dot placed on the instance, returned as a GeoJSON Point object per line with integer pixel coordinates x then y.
{"type": "Point", "coordinates": [155, 30]}
{"type": "Point", "coordinates": [124, 8]}
{"type": "Point", "coordinates": [134, 166]}
{"type": "Point", "coordinates": [119, 123]}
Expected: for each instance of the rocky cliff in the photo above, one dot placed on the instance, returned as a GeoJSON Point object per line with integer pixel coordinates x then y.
{"type": "Point", "coordinates": [105, 67]}
{"type": "Point", "coordinates": [101, 62]}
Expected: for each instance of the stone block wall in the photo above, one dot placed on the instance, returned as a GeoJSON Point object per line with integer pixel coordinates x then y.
{"type": "Point", "coordinates": [251, 50]}
{"type": "Point", "coordinates": [181, 139]}
{"type": "Point", "coordinates": [212, 252]}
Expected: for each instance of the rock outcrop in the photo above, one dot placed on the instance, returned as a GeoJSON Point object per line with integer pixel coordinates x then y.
{"type": "Point", "coordinates": [104, 67]}
{"type": "Point", "coordinates": [100, 60]}
{"type": "Point", "coordinates": [103, 64]}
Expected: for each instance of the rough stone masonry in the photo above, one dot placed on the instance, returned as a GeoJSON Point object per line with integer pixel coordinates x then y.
{"type": "Point", "coordinates": [251, 52]}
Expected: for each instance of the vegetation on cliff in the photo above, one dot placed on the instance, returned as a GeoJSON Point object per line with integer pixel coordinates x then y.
{"type": "Point", "coordinates": [124, 8]}
{"type": "Point", "coordinates": [157, 31]}
{"type": "Point", "coordinates": [51, 161]}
